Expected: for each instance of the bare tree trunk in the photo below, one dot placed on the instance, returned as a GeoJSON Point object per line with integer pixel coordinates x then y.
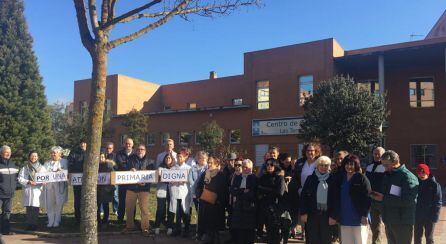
{"type": "Point", "coordinates": [88, 226]}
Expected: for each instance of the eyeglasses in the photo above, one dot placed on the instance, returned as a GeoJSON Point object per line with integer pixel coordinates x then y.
{"type": "Point", "coordinates": [237, 165]}
{"type": "Point", "coordinates": [141, 149]}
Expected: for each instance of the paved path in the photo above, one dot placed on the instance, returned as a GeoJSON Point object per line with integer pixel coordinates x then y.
{"type": "Point", "coordinates": [440, 237]}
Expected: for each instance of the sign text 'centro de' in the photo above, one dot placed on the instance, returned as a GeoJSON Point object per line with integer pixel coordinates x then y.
{"type": "Point", "coordinates": [276, 127]}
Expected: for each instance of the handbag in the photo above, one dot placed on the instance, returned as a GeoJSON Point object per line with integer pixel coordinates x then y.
{"type": "Point", "coordinates": [208, 196]}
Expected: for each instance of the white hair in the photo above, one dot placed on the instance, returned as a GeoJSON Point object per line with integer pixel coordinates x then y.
{"type": "Point", "coordinates": [4, 147]}
{"type": "Point", "coordinates": [323, 160]}
{"type": "Point", "coordinates": [380, 149]}
{"type": "Point", "coordinates": [247, 162]}
{"type": "Point", "coordinates": [56, 149]}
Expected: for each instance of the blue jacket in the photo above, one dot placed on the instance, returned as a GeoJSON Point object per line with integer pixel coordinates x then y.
{"type": "Point", "coordinates": [8, 176]}
{"type": "Point", "coordinates": [429, 201]}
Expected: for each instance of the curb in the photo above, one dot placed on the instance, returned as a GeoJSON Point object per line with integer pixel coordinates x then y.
{"type": "Point", "coordinates": [68, 235]}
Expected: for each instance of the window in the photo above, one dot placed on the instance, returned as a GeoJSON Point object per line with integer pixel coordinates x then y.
{"type": "Point", "coordinates": [421, 93]}
{"type": "Point", "coordinates": [261, 150]}
{"type": "Point", "coordinates": [371, 86]}
{"type": "Point", "coordinates": [235, 136]}
{"type": "Point", "coordinates": [423, 153]}
{"type": "Point", "coordinates": [192, 106]}
{"type": "Point", "coordinates": [185, 138]}
{"type": "Point", "coordinates": [83, 106]}
{"type": "Point", "coordinates": [262, 95]}
{"type": "Point", "coordinates": [122, 138]}
{"type": "Point", "coordinates": [197, 137]}
{"type": "Point", "coordinates": [237, 101]}
{"type": "Point", "coordinates": [164, 137]}
{"type": "Point", "coordinates": [150, 139]}
{"type": "Point", "coordinates": [305, 88]}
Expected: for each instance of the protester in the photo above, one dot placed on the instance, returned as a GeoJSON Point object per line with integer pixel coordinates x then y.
{"type": "Point", "coordinates": [121, 160]}
{"type": "Point", "coordinates": [428, 205]}
{"type": "Point", "coordinates": [186, 151]}
{"type": "Point", "coordinates": [337, 171]}
{"type": "Point", "coordinates": [105, 192]}
{"type": "Point", "coordinates": [163, 199]}
{"type": "Point", "coordinates": [111, 155]}
{"type": "Point", "coordinates": [56, 193]}
{"type": "Point", "coordinates": [352, 201]}
{"type": "Point", "coordinates": [290, 199]}
{"type": "Point", "coordinates": [8, 174]}
{"type": "Point", "coordinates": [229, 169]}
{"type": "Point", "coordinates": [336, 164]}
{"type": "Point", "coordinates": [273, 152]}
{"type": "Point", "coordinates": [243, 198]}
{"type": "Point", "coordinates": [195, 173]}
{"type": "Point", "coordinates": [271, 187]}
{"type": "Point", "coordinates": [213, 194]}
{"type": "Point", "coordinates": [375, 173]}
{"type": "Point", "coordinates": [399, 197]}
{"type": "Point", "coordinates": [170, 145]}
{"type": "Point", "coordinates": [32, 191]}
{"type": "Point", "coordinates": [180, 198]}
{"type": "Point", "coordinates": [314, 203]}
{"type": "Point", "coordinates": [76, 165]}
{"type": "Point", "coordinates": [138, 192]}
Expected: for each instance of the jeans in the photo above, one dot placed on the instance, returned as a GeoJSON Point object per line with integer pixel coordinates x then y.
{"type": "Point", "coordinates": [106, 210]}
{"type": "Point", "coordinates": [181, 215]}
{"type": "Point", "coordinates": [6, 204]}
{"type": "Point", "coordinates": [428, 229]}
{"type": "Point", "coordinates": [121, 207]}
{"type": "Point", "coordinates": [32, 215]}
{"type": "Point", "coordinates": [77, 190]}
{"type": "Point", "coordinates": [115, 200]}
{"type": "Point", "coordinates": [162, 206]}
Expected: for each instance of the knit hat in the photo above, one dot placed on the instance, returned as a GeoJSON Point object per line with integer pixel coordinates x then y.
{"type": "Point", "coordinates": [423, 167]}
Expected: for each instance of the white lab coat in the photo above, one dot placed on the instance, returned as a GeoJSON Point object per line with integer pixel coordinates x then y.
{"type": "Point", "coordinates": [180, 190]}
{"type": "Point", "coordinates": [31, 195]}
{"type": "Point", "coordinates": [56, 193]}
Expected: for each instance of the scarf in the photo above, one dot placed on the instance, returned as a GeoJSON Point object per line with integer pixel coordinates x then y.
{"type": "Point", "coordinates": [210, 173]}
{"type": "Point", "coordinates": [33, 168]}
{"type": "Point", "coordinates": [243, 183]}
{"type": "Point", "coordinates": [322, 190]}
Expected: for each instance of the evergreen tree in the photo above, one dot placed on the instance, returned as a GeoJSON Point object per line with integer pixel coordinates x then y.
{"type": "Point", "coordinates": [211, 138]}
{"type": "Point", "coordinates": [136, 124]}
{"type": "Point", "coordinates": [344, 117]}
{"type": "Point", "coordinates": [24, 117]}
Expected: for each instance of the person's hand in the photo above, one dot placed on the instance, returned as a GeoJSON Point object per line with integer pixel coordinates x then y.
{"type": "Point", "coordinates": [304, 218]}
{"type": "Point", "coordinates": [246, 190]}
{"type": "Point", "coordinates": [33, 183]}
{"type": "Point", "coordinates": [331, 221]}
{"type": "Point", "coordinates": [376, 196]}
{"type": "Point", "coordinates": [364, 221]}
{"type": "Point", "coordinates": [281, 173]}
{"type": "Point", "coordinates": [133, 169]}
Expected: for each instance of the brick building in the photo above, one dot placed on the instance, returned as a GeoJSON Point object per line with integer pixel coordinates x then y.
{"type": "Point", "coordinates": [262, 106]}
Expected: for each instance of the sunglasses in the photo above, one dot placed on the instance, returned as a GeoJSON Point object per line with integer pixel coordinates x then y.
{"type": "Point", "coordinates": [237, 165]}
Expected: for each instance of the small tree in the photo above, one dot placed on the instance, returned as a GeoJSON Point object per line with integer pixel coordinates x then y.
{"type": "Point", "coordinates": [211, 137]}
{"type": "Point", "coordinates": [344, 117]}
{"type": "Point", "coordinates": [136, 124]}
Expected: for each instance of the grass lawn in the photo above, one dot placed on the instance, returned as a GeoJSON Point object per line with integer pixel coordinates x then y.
{"type": "Point", "coordinates": [68, 225]}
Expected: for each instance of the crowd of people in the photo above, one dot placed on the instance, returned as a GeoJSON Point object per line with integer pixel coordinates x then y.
{"type": "Point", "coordinates": [330, 200]}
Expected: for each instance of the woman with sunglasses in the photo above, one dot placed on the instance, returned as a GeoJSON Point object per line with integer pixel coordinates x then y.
{"type": "Point", "coordinates": [243, 198]}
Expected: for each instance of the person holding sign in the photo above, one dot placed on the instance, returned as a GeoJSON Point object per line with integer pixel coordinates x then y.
{"type": "Point", "coordinates": [105, 192]}
{"type": "Point", "coordinates": [195, 173]}
{"type": "Point", "coordinates": [122, 158]}
{"type": "Point", "coordinates": [163, 199]}
{"type": "Point", "coordinates": [138, 192]}
{"type": "Point", "coordinates": [8, 174]}
{"type": "Point", "coordinates": [399, 199]}
{"type": "Point", "coordinates": [31, 190]}
{"type": "Point", "coordinates": [56, 193]}
{"type": "Point", "coordinates": [76, 165]}
{"type": "Point", "coordinates": [213, 193]}
{"type": "Point", "coordinates": [180, 197]}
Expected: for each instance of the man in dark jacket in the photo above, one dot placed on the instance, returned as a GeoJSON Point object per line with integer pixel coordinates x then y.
{"type": "Point", "coordinates": [428, 205]}
{"type": "Point", "coordinates": [8, 176]}
{"type": "Point", "coordinates": [111, 155]}
{"type": "Point", "coordinates": [121, 161]}
{"type": "Point", "coordinates": [138, 192]}
{"type": "Point", "coordinates": [399, 198]}
{"type": "Point", "coordinates": [375, 174]}
{"type": "Point", "coordinates": [76, 165]}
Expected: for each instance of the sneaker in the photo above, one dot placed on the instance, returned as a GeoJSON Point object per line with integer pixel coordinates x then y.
{"type": "Point", "coordinates": [115, 213]}
{"type": "Point", "coordinates": [157, 231]}
{"type": "Point", "coordinates": [169, 231]}
{"type": "Point", "coordinates": [146, 233]}
{"type": "Point", "coordinates": [102, 214]}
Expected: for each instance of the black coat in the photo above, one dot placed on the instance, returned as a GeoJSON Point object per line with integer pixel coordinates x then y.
{"type": "Point", "coordinates": [244, 204]}
{"type": "Point", "coordinates": [359, 194]}
{"type": "Point", "coordinates": [76, 161]}
{"type": "Point", "coordinates": [106, 192]}
{"type": "Point", "coordinates": [308, 199]}
{"type": "Point", "coordinates": [212, 216]}
{"type": "Point", "coordinates": [429, 201]}
{"type": "Point", "coordinates": [270, 188]}
{"type": "Point", "coordinates": [134, 162]}
{"type": "Point", "coordinates": [122, 158]}
{"type": "Point", "coordinates": [290, 198]}
{"type": "Point", "coordinates": [8, 176]}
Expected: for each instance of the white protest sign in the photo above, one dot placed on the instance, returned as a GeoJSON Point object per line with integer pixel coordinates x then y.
{"type": "Point", "coordinates": [173, 175]}
{"type": "Point", "coordinates": [76, 179]}
{"type": "Point", "coordinates": [47, 177]}
{"type": "Point", "coordinates": [133, 177]}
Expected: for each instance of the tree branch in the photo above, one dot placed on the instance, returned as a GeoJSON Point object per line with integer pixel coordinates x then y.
{"type": "Point", "coordinates": [206, 11]}
{"type": "Point", "coordinates": [111, 11]}
{"type": "Point", "coordinates": [93, 16]}
{"type": "Point", "coordinates": [148, 28]}
{"type": "Point", "coordinates": [82, 22]}
{"type": "Point", "coordinates": [105, 11]}
{"type": "Point", "coordinates": [130, 13]}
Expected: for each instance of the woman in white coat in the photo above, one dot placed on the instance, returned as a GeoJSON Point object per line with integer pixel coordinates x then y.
{"type": "Point", "coordinates": [56, 193]}
{"type": "Point", "coordinates": [31, 190]}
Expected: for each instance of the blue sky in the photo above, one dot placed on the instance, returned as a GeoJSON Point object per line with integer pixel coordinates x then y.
{"type": "Point", "coordinates": [185, 51]}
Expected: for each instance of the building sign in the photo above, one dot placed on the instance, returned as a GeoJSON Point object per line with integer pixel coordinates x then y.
{"type": "Point", "coordinates": [76, 179]}
{"type": "Point", "coordinates": [133, 177]}
{"type": "Point", "coordinates": [48, 177]}
{"type": "Point", "coordinates": [276, 127]}
{"type": "Point", "coordinates": [174, 175]}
